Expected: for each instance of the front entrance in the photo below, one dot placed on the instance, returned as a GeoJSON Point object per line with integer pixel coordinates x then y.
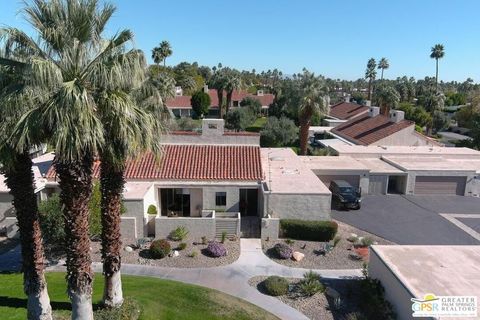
{"type": "Point", "coordinates": [175, 202]}
{"type": "Point", "coordinates": [248, 204]}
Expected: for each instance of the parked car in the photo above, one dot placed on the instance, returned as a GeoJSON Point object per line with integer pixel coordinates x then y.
{"type": "Point", "coordinates": [345, 195]}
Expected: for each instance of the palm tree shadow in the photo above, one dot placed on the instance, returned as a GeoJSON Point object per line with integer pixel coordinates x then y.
{"type": "Point", "coordinates": [22, 303]}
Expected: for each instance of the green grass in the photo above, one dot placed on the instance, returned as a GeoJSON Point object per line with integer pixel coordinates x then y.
{"type": "Point", "coordinates": [258, 125]}
{"type": "Point", "coordinates": [159, 299]}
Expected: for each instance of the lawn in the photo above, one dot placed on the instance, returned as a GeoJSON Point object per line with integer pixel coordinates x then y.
{"type": "Point", "coordinates": [160, 299]}
{"type": "Point", "coordinates": [258, 125]}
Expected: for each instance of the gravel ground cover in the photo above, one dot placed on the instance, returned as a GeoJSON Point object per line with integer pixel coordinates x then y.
{"type": "Point", "coordinates": [318, 306]}
{"type": "Point", "coordinates": [183, 260]}
{"type": "Point", "coordinates": [341, 257]}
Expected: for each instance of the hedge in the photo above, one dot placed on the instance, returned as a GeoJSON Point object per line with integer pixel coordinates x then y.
{"type": "Point", "coordinates": [308, 230]}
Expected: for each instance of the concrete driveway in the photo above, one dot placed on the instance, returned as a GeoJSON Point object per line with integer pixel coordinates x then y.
{"type": "Point", "coordinates": [418, 220]}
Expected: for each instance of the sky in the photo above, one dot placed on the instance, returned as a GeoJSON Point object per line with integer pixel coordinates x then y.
{"type": "Point", "coordinates": [332, 38]}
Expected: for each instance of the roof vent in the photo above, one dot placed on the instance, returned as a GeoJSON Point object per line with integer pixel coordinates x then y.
{"type": "Point", "coordinates": [396, 116]}
{"type": "Point", "coordinates": [347, 98]}
{"type": "Point", "coordinates": [259, 93]}
{"type": "Point", "coordinates": [277, 159]}
{"type": "Point", "coordinates": [373, 112]}
{"type": "Point", "coordinates": [368, 103]}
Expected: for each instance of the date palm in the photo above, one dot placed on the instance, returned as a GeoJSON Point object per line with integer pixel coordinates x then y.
{"type": "Point", "coordinates": [437, 52]}
{"type": "Point", "coordinates": [383, 64]}
{"type": "Point", "coordinates": [233, 82]}
{"type": "Point", "coordinates": [67, 64]}
{"type": "Point", "coordinates": [162, 52]}
{"type": "Point", "coordinates": [386, 97]}
{"type": "Point", "coordinates": [370, 74]}
{"type": "Point", "coordinates": [17, 168]}
{"type": "Point", "coordinates": [218, 82]}
{"type": "Point", "coordinates": [313, 101]}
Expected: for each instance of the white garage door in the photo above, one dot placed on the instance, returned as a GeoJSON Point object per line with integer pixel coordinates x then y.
{"type": "Point", "coordinates": [377, 184]}
{"type": "Point", "coordinates": [353, 180]}
{"type": "Point", "coordinates": [440, 185]}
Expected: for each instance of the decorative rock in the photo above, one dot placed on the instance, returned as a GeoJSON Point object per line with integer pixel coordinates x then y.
{"type": "Point", "coordinates": [354, 235]}
{"type": "Point", "coordinates": [175, 253]}
{"type": "Point", "coordinates": [298, 256]}
{"type": "Point", "coordinates": [332, 293]}
{"type": "Point", "coordinates": [128, 249]}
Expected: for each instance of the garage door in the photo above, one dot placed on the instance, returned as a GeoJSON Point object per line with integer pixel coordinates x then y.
{"type": "Point", "coordinates": [440, 185]}
{"type": "Point", "coordinates": [377, 185]}
{"type": "Point", "coordinates": [353, 180]}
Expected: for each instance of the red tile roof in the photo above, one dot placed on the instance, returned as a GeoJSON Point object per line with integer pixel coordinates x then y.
{"type": "Point", "coordinates": [183, 102]}
{"type": "Point", "coordinates": [193, 162]}
{"type": "Point", "coordinates": [347, 110]}
{"type": "Point", "coordinates": [365, 130]}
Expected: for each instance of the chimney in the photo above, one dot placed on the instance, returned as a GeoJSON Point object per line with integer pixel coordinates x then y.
{"type": "Point", "coordinates": [347, 98]}
{"type": "Point", "coordinates": [259, 93]}
{"type": "Point", "coordinates": [373, 112]}
{"type": "Point", "coordinates": [396, 116]}
{"type": "Point", "coordinates": [178, 91]}
{"type": "Point", "coordinates": [205, 88]}
{"type": "Point", "coordinates": [213, 127]}
{"type": "Point", "coordinates": [368, 103]}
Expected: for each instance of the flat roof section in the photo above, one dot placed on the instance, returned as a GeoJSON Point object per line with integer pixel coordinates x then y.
{"type": "Point", "coordinates": [333, 163]}
{"type": "Point", "coordinates": [286, 173]}
{"type": "Point", "coordinates": [441, 270]}
{"type": "Point", "coordinates": [378, 151]}
{"type": "Point", "coordinates": [136, 190]}
{"type": "Point", "coordinates": [432, 163]}
{"type": "Point", "coordinates": [378, 166]}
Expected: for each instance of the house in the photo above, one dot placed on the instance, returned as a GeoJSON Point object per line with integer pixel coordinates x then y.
{"type": "Point", "coordinates": [412, 272]}
{"type": "Point", "coordinates": [181, 105]}
{"type": "Point", "coordinates": [344, 111]}
{"type": "Point", "coordinates": [373, 128]}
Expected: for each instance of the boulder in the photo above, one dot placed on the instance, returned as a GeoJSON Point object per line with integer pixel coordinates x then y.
{"type": "Point", "coordinates": [128, 249]}
{"type": "Point", "coordinates": [298, 256]}
{"type": "Point", "coordinates": [332, 293]}
{"type": "Point", "coordinates": [175, 253]}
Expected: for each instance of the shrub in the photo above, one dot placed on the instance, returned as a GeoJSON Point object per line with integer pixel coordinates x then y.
{"type": "Point", "coordinates": [193, 254]}
{"type": "Point", "coordinates": [372, 301]}
{"type": "Point", "coordinates": [204, 240]}
{"type": "Point", "coordinates": [224, 236]}
{"type": "Point", "coordinates": [51, 220]}
{"type": "Point", "coordinates": [365, 242]}
{"type": "Point", "coordinates": [216, 249]}
{"type": "Point", "coordinates": [200, 103]}
{"type": "Point", "coordinates": [130, 310]}
{"type": "Point", "coordinates": [310, 276]}
{"type": "Point", "coordinates": [182, 246]}
{"type": "Point", "coordinates": [308, 230]}
{"type": "Point", "coordinates": [336, 240]}
{"type": "Point", "coordinates": [289, 241]}
{"type": "Point", "coordinates": [160, 249]}
{"type": "Point", "coordinates": [152, 209]}
{"type": "Point", "coordinates": [179, 234]}
{"type": "Point", "coordinates": [276, 286]}
{"type": "Point", "coordinates": [310, 284]}
{"type": "Point", "coordinates": [283, 251]}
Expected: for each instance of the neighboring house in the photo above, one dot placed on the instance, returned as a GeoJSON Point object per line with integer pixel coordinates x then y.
{"type": "Point", "coordinates": [373, 128]}
{"type": "Point", "coordinates": [181, 105]}
{"type": "Point", "coordinates": [344, 111]}
{"type": "Point", "coordinates": [408, 272]}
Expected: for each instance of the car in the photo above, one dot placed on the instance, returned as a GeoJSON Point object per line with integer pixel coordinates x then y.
{"type": "Point", "coordinates": [345, 195]}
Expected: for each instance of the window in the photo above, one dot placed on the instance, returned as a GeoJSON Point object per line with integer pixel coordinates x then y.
{"type": "Point", "coordinates": [220, 199]}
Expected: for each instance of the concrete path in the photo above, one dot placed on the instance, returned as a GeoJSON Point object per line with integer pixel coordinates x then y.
{"type": "Point", "coordinates": [233, 279]}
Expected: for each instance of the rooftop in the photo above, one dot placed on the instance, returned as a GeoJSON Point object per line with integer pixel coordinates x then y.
{"type": "Point", "coordinates": [442, 270]}
{"type": "Point", "coordinates": [329, 163]}
{"type": "Point", "coordinates": [437, 163]}
{"type": "Point", "coordinates": [193, 162]}
{"type": "Point", "coordinates": [286, 173]}
{"type": "Point", "coordinates": [136, 190]}
{"type": "Point", "coordinates": [377, 165]}
{"type": "Point", "coordinates": [377, 151]}
{"type": "Point", "coordinates": [347, 110]}
{"type": "Point", "coordinates": [365, 130]}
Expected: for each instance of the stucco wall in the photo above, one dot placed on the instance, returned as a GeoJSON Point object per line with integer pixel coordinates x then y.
{"type": "Point", "coordinates": [197, 227]}
{"type": "Point", "coordinates": [395, 292]}
{"type": "Point", "coordinates": [404, 137]}
{"type": "Point", "coordinates": [149, 198]}
{"type": "Point", "coordinates": [270, 228]}
{"type": "Point", "coordinates": [233, 198]}
{"type": "Point", "coordinates": [196, 202]}
{"type": "Point", "coordinates": [128, 229]}
{"type": "Point", "coordinates": [299, 206]}
{"type": "Point", "coordinates": [469, 185]}
{"type": "Point", "coordinates": [135, 208]}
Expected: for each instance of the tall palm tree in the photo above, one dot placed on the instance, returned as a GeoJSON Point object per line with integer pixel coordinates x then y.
{"type": "Point", "coordinates": [67, 65]}
{"type": "Point", "coordinates": [162, 52]}
{"type": "Point", "coordinates": [313, 102]}
{"type": "Point", "coordinates": [17, 168]}
{"type": "Point", "coordinates": [157, 55]}
{"type": "Point", "coordinates": [218, 82]}
{"type": "Point", "coordinates": [386, 97]}
{"type": "Point", "coordinates": [233, 81]}
{"type": "Point", "coordinates": [383, 64]}
{"type": "Point", "coordinates": [437, 52]}
{"type": "Point", "coordinates": [370, 74]}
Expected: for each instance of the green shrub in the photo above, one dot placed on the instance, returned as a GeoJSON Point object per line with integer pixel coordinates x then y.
{"type": "Point", "coordinates": [130, 310]}
{"type": "Point", "coordinates": [336, 240]}
{"type": "Point", "coordinates": [179, 234]}
{"type": "Point", "coordinates": [51, 220]}
{"type": "Point", "coordinates": [204, 240]}
{"type": "Point", "coordinates": [311, 284]}
{"type": "Point", "coordinates": [276, 286]}
{"type": "Point", "coordinates": [372, 301]}
{"type": "Point", "coordinates": [365, 242]}
{"type": "Point", "coordinates": [224, 236]}
{"type": "Point", "coordinates": [289, 241]}
{"type": "Point", "coordinates": [182, 246]}
{"type": "Point", "coordinates": [160, 249]}
{"type": "Point", "coordinates": [152, 209]}
{"type": "Point", "coordinates": [193, 254]}
{"type": "Point", "coordinates": [310, 276]}
{"type": "Point", "coordinates": [308, 230]}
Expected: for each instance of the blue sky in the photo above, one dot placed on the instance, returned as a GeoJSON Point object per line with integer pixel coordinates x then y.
{"type": "Point", "coordinates": [333, 38]}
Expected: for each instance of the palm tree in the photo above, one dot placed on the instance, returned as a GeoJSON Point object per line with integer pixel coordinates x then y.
{"type": "Point", "coordinates": [233, 81]}
{"type": "Point", "coordinates": [68, 65]}
{"type": "Point", "coordinates": [370, 74]}
{"type": "Point", "coordinates": [162, 52]}
{"type": "Point", "coordinates": [437, 52]}
{"type": "Point", "coordinates": [218, 82]}
{"type": "Point", "coordinates": [17, 168]}
{"type": "Point", "coordinates": [313, 102]}
{"type": "Point", "coordinates": [383, 64]}
{"type": "Point", "coordinates": [157, 55]}
{"type": "Point", "coordinates": [386, 97]}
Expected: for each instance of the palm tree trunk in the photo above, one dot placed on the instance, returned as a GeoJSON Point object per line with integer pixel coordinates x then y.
{"type": "Point", "coordinates": [111, 184]}
{"type": "Point", "coordinates": [381, 78]}
{"type": "Point", "coordinates": [304, 127]}
{"type": "Point", "coordinates": [21, 184]}
{"type": "Point", "coordinates": [229, 100]}
{"type": "Point", "coordinates": [370, 89]}
{"type": "Point", "coordinates": [436, 75]}
{"type": "Point", "coordinates": [76, 189]}
{"type": "Point", "coordinates": [220, 104]}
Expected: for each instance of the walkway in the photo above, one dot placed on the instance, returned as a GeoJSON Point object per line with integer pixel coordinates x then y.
{"type": "Point", "coordinates": [231, 279]}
